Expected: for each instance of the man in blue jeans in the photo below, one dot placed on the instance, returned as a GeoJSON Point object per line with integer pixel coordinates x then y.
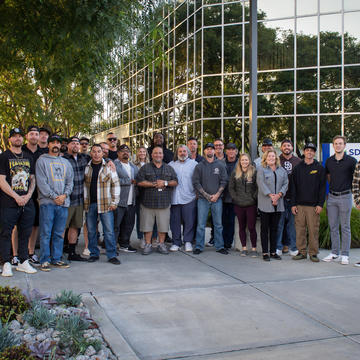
{"type": "Point", "coordinates": [101, 198]}
{"type": "Point", "coordinates": [54, 178]}
{"type": "Point", "coordinates": [209, 180]}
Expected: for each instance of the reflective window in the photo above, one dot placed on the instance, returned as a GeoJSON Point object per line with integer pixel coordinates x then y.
{"type": "Point", "coordinates": [351, 5]}
{"type": "Point", "coordinates": [306, 41]}
{"type": "Point", "coordinates": [306, 7]}
{"type": "Point", "coordinates": [330, 39]}
{"type": "Point", "coordinates": [276, 8]}
{"type": "Point", "coordinates": [330, 5]}
{"type": "Point", "coordinates": [351, 37]}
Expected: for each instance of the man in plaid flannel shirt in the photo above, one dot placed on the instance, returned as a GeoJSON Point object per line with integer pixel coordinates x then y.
{"type": "Point", "coordinates": [101, 197]}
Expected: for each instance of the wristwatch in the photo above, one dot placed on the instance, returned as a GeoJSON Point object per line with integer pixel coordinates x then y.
{"type": "Point", "coordinates": [166, 183]}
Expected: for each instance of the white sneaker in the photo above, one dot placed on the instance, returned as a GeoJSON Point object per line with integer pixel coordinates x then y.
{"type": "Point", "coordinates": [188, 246]}
{"type": "Point", "coordinates": [331, 257]}
{"type": "Point", "coordinates": [86, 252]}
{"type": "Point", "coordinates": [26, 267]}
{"type": "Point", "coordinates": [174, 248]}
{"type": "Point", "coordinates": [344, 260]}
{"type": "Point", "coordinates": [7, 271]}
{"type": "Point", "coordinates": [293, 252]}
{"type": "Point", "coordinates": [357, 264]}
{"type": "Point", "coordinates": [279, 252]}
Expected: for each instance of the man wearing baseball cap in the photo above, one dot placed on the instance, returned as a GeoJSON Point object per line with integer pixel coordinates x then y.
{"type": "Point", "coordinates": [17, 183]}
{"type": "Point", "coordinates": [209, 180]}
{"type": "Point", "coordinates": [307, 201]}
{"type": "Point", "coordinates": [266, 145]}
{"type": "Point", "coordinates": [54, 177]}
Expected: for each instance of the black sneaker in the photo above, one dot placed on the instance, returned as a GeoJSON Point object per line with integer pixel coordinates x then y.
{"type": "Point", "coordinates": [114, 261]}
{"type": "Point", "coordinates": [222, 251]}
{"type": "Point", "coordinates": [211, 243]}
{"type": "Point", "coordinates": [168, 239]}
{"type": "Point", "coordinates": [93, 259]}
{"type": "Point", "coordinates": [33, 259]}
{"type": "Point", "coordinates": [197, 252]}
{"type": "Point", "coordinates": [275, 256]}
{"type": "Point", "coordinates": [75, 257]}
{"type": "Point", "coordinates": [128, 249]}
{"type": "Point", "coordinates": [266, 257]}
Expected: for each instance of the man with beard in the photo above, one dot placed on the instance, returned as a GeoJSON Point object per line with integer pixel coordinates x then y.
{"type": "Point", "coordinates": [74, 221]}
{"type": "Point", "coordinates": [209, 180]}
{"type": "Point", "coordinates": [54, 176]}
{"type": "Point", "coordinates": [105, 148]}
{"type": "Point", "coordinates": [84, 145]}
{"type": "Point", "coordinates": [192, 144]}
{"type": "Point", "coordinates": [17, 183]}
{"type": "Point", "coordinates": [111, 140]}
{"type": "Point", "coordinates": [286, 228]}
{"type": "Point", "coordinates": [124, 215]}
{"type": "Point", "coordinates": [157, 181]}
{"type": "Point", "coordinates": [159, 140]}
{"type": "Point", "coordinates": [183, 204]}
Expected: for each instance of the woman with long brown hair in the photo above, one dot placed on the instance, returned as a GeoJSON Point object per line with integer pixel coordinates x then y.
{"type": "Point", "coordinates": [243, 191]}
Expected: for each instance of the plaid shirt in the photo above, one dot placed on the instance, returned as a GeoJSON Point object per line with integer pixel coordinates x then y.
{"type": "Point", "coordinates": [356, 184]}
{"type": "Point", "coordinates": [79, 165]}
{"type": "Point", "coordinates": [151, 197]}
{"type": "Point", "coordinates": [108, 188]}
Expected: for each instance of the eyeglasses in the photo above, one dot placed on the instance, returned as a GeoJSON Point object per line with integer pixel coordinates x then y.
{"type": "Point", "coordinates": [112, 139]}
{"type": "Point", "coordinates": [219, 145]}
{"type": "Point", "coordinates": [84, 143]}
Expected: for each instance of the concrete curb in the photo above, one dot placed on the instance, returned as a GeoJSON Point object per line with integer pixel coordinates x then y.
{"type": "Point", "coordinates": [111, 334]}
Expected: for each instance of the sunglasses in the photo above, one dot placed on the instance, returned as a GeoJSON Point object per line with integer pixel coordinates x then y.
{"type": "Point", "coordinates": [112, 139]}
{"type": "Point", "coordinates": [84, 143]}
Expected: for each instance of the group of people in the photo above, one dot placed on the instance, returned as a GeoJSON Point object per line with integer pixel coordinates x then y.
{"type": "Point", "coordinates": [50, 185]}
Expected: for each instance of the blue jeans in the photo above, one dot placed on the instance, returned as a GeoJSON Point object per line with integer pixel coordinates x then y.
{"type": "Point", "coordinates": [339, 213]}
{"type": "Point", "coordinates": [52, 220]}
{"type": "Point", "coordinates": [107, 222]}
{"type": "Point", "coordinates": [216, 213]}
{"type": "Point", "coordinates": [287, 223]}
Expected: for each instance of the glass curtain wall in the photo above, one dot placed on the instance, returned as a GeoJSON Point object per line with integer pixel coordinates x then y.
{"type": "Point", "coordinates": [198, 84]}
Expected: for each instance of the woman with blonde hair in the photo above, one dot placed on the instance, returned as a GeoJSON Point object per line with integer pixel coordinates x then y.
{"type": "Point", "coordinates": [243, 191]}
{"type": "Point", "coordinates": [142, 158]}
{"type": "Point", "coordinates": [272, 181]}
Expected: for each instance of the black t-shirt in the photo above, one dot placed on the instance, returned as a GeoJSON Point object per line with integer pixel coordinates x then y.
{"type": "Point", "coordinates": [113, 155]}
{"type": "Point", "coordinates": [341, 172]}
{"type": "Point", "coordinates": [93, 185]}
{"type": "Point", "coordinates": [17, 169]}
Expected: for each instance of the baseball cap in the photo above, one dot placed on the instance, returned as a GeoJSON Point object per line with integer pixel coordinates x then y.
{"type": "Point", "coordinates": [209, 145]}
{"type": "Point", "coordinates": [123, 147]}
{"type": "Point", "coordinates": [287, 141]}
{"type": "Point", "coordinates": [267, 142]}
{"type": "Point", "coordinates": [46, 130]}
{"type": "Point", "coordinates": [310, 146]}
{"type": "Point", "coordinates": [33, 128]}
{"type": "Point", "coordinates": [84, 138]}
{"type": "Point", "coordinates": [14, 132]}
{"type": "Point", "coordinates": [54, 137]}
{"type": "Point", "coordinates": [74, 138]}
{"type": "Point", "coordinates": [231, 146]}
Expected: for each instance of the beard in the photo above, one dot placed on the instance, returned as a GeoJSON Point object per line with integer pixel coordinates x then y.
{"type": "Point", "coordinates": [210, 155]}
{"type": "Point", "coordinates": [183, 158]}
{"type": "Point", "coordinates": [55, 149]}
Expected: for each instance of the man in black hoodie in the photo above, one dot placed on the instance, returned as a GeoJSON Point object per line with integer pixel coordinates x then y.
{"type": "Point", "coordinates": [159, 140]}
{"type": "Point", "coordinates": [307, 201]}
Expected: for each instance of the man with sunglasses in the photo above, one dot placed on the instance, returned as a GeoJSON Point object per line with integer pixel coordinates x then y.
{"type": "Point", "coordinates": [111, 140]}
{"type": "Point", "coordinates": [84, 145]}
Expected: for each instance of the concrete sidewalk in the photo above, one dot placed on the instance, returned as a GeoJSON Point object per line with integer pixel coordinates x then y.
{"type": "Point", "coordinates": [213, 306]}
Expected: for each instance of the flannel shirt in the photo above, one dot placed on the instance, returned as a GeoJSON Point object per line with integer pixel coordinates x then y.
{"type": "Point", "coordinates": [108, 188]}
{"type": "Point", "coordinates": [79, 165]}
{"type": "Point", "coordinates": [356, 184]}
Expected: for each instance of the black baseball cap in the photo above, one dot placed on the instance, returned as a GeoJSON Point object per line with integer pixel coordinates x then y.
{"type": "Point", "coordinates": [310, 146]}
{"type": "Point", "coordinates": [84, 138]}
{"type": "Point", "coordinates": [231, 146]}
{"type": "Point", "coordinates": [74, 138]}
{"type": "Point", "coordinates": [267, 142]}
{"type": "Point", "coordinates": [287, 141]}
{"type": "Point", "coordinates": [15, 131]}
{"type": "Point", "coordinates": [33, 128]}
{"type": "Point", "coordinates": [209, 145]}
{"type": "Point", "coordinates": [123, 147]}
{"type": "Point", "coordinates": [54, 137]}
{"type": "Point", "coordinates": [45, 129]}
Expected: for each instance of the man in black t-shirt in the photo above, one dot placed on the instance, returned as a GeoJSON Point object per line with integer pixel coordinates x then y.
{"type": "Point", "coordinates": [17, 184]}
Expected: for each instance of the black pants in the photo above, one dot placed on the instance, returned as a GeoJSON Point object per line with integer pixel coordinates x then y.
{"type": "Point", "coordinates": [228, 221]}
{"type": "Point", "coordinates": [23, 218]}
{"type": "Point", "coordinates": [124, 221]}
{"type": "Point", "coordinates": [269, 224]}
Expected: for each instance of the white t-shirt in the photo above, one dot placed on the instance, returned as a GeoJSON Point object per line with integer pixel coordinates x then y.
{"type": "Point", "coordinates": [131, 192]}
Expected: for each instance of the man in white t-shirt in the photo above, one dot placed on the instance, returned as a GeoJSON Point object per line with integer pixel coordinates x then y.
{"type": "Point", "coordinates": [124, 219]}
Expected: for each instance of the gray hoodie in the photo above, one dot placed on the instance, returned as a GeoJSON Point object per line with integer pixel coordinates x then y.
{"type": "Point", "coordinates": [54, 177]}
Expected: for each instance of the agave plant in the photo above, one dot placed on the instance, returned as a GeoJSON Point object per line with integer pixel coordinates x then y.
{"type": "Point", "coordinates": [39, 316]}
{"type": "Point", "coordinates": [7, 338]}
{"type": "Point", "coordinates": [68, 298]}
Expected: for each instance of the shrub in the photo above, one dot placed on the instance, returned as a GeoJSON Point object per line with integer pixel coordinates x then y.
{"type": "Point", "coordinates": [16, 353]}
{"type": "Point", "coordinates": [12, 303]}
{"type": "Point", "coordinates": [7, 338]}
{"type": "Point", "coordinates": [39, 316]}
{"type": "Point", "coordinates": [324, 231]}
{"type": "Point", "coordinates": [68, 298]}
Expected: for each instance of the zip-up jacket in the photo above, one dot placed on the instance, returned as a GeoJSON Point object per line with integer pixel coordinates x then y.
{"type": "Point", "coordinates": [242, 190]}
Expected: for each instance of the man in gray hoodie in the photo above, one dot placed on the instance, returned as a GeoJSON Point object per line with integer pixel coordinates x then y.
{"type": "Point", "coordinates": [54, 178]}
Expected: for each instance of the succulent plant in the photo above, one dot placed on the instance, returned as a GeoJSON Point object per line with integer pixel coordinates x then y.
{"type": "Point", "coordinates": [12, 303]}
{"type": "Point", "coordinates": [20, 352]}
{"type": "Point", "coordinates": [39, 316]}
{"type": "Point", "coordinates": [68, 298]}
{"type": "Point", "coordinates": [7, 338]}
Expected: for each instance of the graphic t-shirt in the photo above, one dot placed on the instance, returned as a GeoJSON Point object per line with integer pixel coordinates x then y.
{"type": "Point", "coordinates": [17, 169]}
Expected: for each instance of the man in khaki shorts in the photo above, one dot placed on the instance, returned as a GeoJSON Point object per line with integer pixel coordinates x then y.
{"type": "Point", "coordinates": [74, 221]}
{"type": "Point", "coordinates": [157, 180]}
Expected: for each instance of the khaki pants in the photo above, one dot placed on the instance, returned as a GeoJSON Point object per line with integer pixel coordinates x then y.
{"type": "Point", "coordinates": [306, 218]}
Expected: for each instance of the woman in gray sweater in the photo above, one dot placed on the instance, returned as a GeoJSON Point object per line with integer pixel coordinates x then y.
{"type": "Point", "coordinates": [243, 191]}
{"type": "Point", "coordinates": [272, 181]}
